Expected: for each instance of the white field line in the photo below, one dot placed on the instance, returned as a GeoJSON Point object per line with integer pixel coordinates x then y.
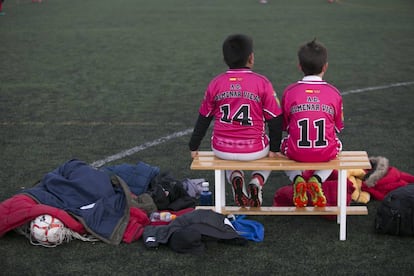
{"type": "Point", "coordinates": [128, 152]}
{"type": "Point", "coordinates": [144, 146]}
{"type": "Point", "coordinates": [354, 91]}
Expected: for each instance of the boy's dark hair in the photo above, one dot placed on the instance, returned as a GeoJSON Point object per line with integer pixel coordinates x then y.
{"type": "Point", "coordinates": [236, 50]}
{"type": "Point", "coordinates": [312, 57]}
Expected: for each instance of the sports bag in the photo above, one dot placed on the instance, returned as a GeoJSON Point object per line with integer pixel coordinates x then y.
{"type": "Point", "coordinates": [395, 215]}
{"type": "Point", "coordinates": [168, 193]}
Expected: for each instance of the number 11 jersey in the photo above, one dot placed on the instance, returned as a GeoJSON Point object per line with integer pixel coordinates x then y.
{"type": "Point", "coordinates": [312, 115]}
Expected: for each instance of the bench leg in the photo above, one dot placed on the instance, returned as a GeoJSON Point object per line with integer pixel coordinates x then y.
{"type": "Point", "coordinates": [342, 194]}
{"type": "Point", "coordinates": [220, 189]}
{"type": "Point", "coordinates": [338, 198]}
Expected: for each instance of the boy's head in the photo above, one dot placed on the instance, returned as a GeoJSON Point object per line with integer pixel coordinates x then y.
{"type": "Point", "coordinates": [237, 49]}
{"type": "Point", "coordinates": [313, 57]}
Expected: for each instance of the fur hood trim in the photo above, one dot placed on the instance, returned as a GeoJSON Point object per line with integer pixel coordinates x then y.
{"type": "Point", "coordinates": [380, 166]}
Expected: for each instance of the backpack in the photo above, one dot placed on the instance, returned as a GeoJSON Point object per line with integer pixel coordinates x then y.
{"type": "Point", "coordinates": [395, 215]}
{"type": "Point", "coordinates": [168, 193]}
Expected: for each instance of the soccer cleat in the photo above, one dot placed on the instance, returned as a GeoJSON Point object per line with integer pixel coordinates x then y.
{"type": "Point", "coordinates": [315, 189]}
{"type": "Point", "coordinates": [239, 189]}
{"type": "Point", "coordinates": [300, 199]}
{"type": "Point", "coordinates": [255, 191]}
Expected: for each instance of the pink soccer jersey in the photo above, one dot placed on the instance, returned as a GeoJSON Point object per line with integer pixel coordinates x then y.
{"type": "Point", "coordinates": [312, 115]}
{"type": "Point", "coordinates": [240, 100]}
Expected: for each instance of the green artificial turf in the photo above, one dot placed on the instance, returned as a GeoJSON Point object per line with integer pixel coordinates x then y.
{"type": "Point", "coordinates": [90, 79]}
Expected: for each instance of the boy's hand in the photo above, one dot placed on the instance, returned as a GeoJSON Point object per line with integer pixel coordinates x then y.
{"type": "Point", "coordinates": [279, 154]}
{"type": "Point", "coordinates": [194, 153]}
{"type": "Point", "coordinates": [276, 154]}
{"type": "Point", "coordinates": [272, 154]}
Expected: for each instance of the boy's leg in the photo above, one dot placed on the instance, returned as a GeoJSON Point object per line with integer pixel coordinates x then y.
{"type": "Point", "coordinates": [323, 174]}
{"type": "Point", "coordinates": [236, 179]}
{"type": "Point", "coordinates": [314, 186]}
{"type": "Point", "coordinates": [292, 175]}
{"type": "Point", "coordinates": [255, 188]}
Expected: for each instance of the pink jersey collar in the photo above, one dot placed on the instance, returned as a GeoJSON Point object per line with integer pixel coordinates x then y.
{"type": "Point", "coordinates": [312, 78]}
{"type": "Point", "coordinates": [241, 70]}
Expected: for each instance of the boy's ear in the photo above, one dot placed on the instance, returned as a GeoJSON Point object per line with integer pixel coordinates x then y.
{"type": "Point", "coordinates": [325, 67]}
{"type": "Point", "coordinates": [251, 58]}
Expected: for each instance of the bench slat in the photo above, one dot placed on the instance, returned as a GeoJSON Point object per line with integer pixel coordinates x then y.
{"type": "Point", "coordinates": [289, 211]}
{"type": "Point", "coordinates": [343, 153]}
{"type": "Point", "coordinates": [346, 160]}
{"type": "Point", "coordinates": [295, 211]}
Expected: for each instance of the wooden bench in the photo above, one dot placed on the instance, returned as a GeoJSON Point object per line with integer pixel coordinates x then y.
{"type": "Point", "coordinates": [206, 160]}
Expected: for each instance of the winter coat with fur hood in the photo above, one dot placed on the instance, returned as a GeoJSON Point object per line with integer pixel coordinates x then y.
{"type": "Point", "coordinates": [383, 178]}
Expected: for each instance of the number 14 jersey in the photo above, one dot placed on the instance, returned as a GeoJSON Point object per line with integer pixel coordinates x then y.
{"type": "Point", "coordinates": [240, 101]}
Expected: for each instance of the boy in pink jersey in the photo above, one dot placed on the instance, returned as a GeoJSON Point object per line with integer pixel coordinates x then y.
{"type": "Point", "coordinates": [312, 115]}
{"type": "Point", "coordinates": [242, 103]}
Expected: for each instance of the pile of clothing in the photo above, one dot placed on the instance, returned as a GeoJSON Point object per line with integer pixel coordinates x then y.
{"type": "Point", "coordinates": [112, 203]}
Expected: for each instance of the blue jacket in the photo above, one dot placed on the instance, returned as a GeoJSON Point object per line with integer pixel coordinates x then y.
{"type": "Point", "coordinates": [99, 203]}
{"type": "Point", "coordinates": [137, 177]}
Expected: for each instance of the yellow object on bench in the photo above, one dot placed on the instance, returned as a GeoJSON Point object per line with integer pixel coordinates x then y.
{"type": "Point", "coordinates": [206, 160]}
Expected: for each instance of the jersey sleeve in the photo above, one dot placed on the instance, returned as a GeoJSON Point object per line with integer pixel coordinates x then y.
{"type": "Point", "coordinates": [207, 104]}
{"type": "Point", "coordinates": [285, 108]}
{"type": "Point", "coordinates": [271, 104]}
{"type": "Point", "coordinates": [339, 116]}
